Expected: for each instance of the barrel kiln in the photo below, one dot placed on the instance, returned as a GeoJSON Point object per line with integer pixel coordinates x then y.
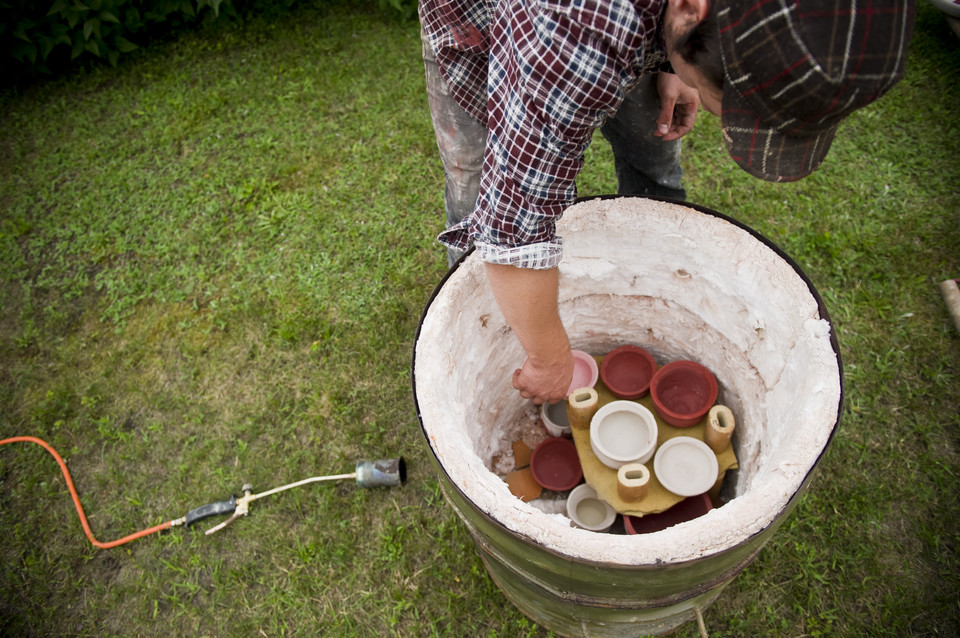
{"type": "Point", "coordinates": [683, 282]}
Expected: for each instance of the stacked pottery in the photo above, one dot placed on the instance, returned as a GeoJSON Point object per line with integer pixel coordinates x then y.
{"type": "Point", "coordinates": [623, 433]}
{"type": "Point", "coordinates": [623, 436]}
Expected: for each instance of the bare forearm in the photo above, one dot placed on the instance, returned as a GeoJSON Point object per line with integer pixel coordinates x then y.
{"type": "Point", "coordinates": [528, 300]}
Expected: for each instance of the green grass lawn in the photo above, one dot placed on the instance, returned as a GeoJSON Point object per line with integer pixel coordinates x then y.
{"type": "Point", "coordinates": [213, 259]}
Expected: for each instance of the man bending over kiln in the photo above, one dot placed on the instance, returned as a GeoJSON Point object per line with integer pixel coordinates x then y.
{"type": "Point", "coordinates": [517, 88]}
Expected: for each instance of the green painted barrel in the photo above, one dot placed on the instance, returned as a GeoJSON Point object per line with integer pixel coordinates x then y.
{"type": "Point", "coordinates": [683, 282]}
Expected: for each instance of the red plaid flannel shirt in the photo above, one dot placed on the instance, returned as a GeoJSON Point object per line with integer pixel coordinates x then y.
{"type": "Point", "coordinates": [543, 75]}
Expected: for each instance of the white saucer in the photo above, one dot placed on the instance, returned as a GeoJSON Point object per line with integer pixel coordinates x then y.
{"type": "Point", "coordinates": [686, 466]}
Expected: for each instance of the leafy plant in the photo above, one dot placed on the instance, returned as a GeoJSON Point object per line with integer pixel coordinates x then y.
{"type": "Point", "coordinates": [40, 38]}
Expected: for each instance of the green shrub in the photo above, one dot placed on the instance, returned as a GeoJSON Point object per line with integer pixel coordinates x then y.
{"type": "Point", "coordinates": [42, 37]}
{"type": "Point", "coordinates": [39, 35]}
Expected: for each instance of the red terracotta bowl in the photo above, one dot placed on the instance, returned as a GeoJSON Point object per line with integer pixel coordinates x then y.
{"type": "Point", "coordinates": [686, 510]}
{"type": "Point", "coordinates": [683, 392]}
{"type": "Point", "coordinates": [627, 371]}
{"type": "Point", "coordinates": [555, 464]}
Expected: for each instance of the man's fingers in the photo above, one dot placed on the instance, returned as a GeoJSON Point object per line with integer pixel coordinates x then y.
{"type": "Point", "coordinates": [523, 386]}
{"type": "Point", "coordinates": [665, 119]}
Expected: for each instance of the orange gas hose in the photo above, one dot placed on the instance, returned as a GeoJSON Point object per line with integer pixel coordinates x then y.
{"type": "Point", "coordinates": [76, 498]}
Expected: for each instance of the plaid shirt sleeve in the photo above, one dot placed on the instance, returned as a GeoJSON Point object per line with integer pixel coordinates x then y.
{"type": "Point", "coordinates": [555, 71]}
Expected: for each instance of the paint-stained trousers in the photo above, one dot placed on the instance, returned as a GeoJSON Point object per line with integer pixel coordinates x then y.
{"type": "Point", "coordinates": [645, 165]}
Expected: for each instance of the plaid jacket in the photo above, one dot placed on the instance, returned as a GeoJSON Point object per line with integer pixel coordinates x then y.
{"type": "Point", "coordinates": [543, 75]}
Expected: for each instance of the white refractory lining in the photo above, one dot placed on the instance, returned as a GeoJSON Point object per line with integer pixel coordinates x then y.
{"type": "Point", "coordinates": [682, 284]}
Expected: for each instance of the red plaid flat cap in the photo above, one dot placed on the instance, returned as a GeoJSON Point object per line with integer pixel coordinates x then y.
{"type": "Point", "coordinates": [796, 68]}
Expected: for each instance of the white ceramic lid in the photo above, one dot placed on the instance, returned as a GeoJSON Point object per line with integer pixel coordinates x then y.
{"type": "Point", "coordinates": [623, 432]}
{"type": "Point", "coordinates": [686, 466]}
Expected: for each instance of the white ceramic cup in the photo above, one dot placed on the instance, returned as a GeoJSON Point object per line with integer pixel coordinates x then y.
{"type": "Point", "coordinates": [588, 511]}
{"type": "Point", "coordinates": [555, 418]}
